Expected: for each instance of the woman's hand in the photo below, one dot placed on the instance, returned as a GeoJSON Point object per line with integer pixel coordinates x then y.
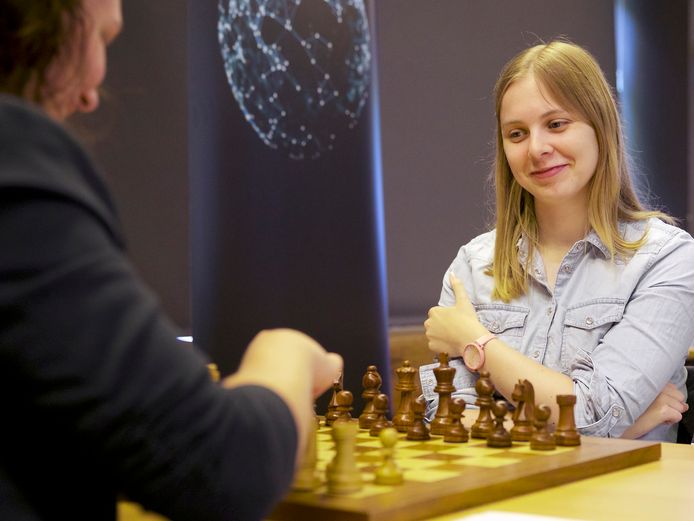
{"type": "Point", "coordinates": [449, 329]}
{"type": "Point", "coordinates": [667, 408]}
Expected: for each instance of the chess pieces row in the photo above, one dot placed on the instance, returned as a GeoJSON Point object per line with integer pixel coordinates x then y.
{"type": "Point", "coordinates": [529, 421]}
{"type": "Point", "coordinates": [403, 417]}
{"type": "Point", "coordinates": [409, 416]}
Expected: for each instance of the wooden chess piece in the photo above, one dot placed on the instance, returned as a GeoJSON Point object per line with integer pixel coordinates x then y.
{"type": "Point", "coordinates": [404, 416]}
{"type": "Point", "coordinates": [388, 473]}
{"type": "Point", "coordinates": [381, 408]}
{"type": "Point", "coordinates": [418, 431]}
{"type": "Point", "coordinates": [371, 382]}
{"type": "Point", "coordinates": [214, 372]}
{"type": "Point", "coordinates": [524, 415]}
{"type": "Point", "coordinates": [332, 414]}
{"type": "Point", "coordinates": [499, 437]}
{"type": "Point", "coordinates": [566, 434]}
{"type": "Point", "coordinates": [306, 477]}
{"type": "Point", "coordinates": [444, 387]}
{"type": "Point", "coordinates": [344, 407]}
{"type": "Point", "coordinates": [542, 439]}
{"type": "Point", "coordinates": [342, 474]}
{"type": "Point", "coordinates": [456, 431]}
{"type": "Point", "coordinates": [484, 423]}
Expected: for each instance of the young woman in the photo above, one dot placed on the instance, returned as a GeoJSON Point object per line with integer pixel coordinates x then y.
{"type": "Point", "coordinates": [579, 288]}
{"type": "Point", "coordinates": [97, 396]}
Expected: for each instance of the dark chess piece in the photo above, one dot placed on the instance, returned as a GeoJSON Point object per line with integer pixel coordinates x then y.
{"type": "Point", "coordinates": [524, 415]}
{"type": "Point", "coordinates": [542, 439]}
{"type": "Point", "coordinates": [404, 416]}
{"type": "Point", "coordinates": [566, 434]}
{"type": "Point", "coordinates": [371, 383]}
{"type": "Point", "coordinates": [456, 431]}
{"type": "Point", "coordinates": [484, 423]}
{"type": "Point", "coordinates": [381, 408]}
{"type": "Point", "coordinates": [344, 406]}
{"type": "Point", "coordinates": [499, 437]}
{"type": "Point", "coordinates": [418, 431]}
{"type": "Point", "coordinates": [332, 413]}
{"type": "Point", "coordinates": [444, 387]}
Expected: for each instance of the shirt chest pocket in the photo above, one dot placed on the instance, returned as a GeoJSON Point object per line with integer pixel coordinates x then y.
{"type": "Point", "coordinates": [586, 324]}
{"type": "Point", "coordinates": [506, 322]}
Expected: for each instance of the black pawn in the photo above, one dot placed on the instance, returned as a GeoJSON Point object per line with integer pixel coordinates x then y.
{"type": "Point", "coordinates": [381, 408]}
{"type": "Point", "coordinates": [542, 439]}
{"type": "Point", "coordinates": [499, 437]}
{"type": "Point", "coordinates": [456, 431]}
{"type": "Point", "coordinates": [418, 431]}
{"type": "Point", "coordinates": [344, 406]}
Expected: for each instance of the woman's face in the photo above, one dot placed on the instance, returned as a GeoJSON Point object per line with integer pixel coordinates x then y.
{"type": "Point", "coordinates": [552, 153]}
{"type": "Point", "coordinates": [74, 77]}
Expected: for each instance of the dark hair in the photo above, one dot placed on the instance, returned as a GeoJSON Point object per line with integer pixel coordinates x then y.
{"type": "Point", "coordinates": [32, 35]}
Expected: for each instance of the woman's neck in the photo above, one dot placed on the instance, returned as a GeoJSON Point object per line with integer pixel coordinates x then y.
{"type": "Point", "coordinates": [561, 226]}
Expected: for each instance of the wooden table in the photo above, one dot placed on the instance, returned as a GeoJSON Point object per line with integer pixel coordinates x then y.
{"type": "Point", "coordinates": [662, 490]}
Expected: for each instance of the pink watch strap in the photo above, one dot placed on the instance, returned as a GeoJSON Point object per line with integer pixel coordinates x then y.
{"type": "Point", "coordinates": [479, 345]}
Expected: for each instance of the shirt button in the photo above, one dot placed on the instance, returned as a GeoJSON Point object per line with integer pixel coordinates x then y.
{"type": "Point", "coordinates": [589, 321]}
{"type": "Point", "coordinates": [616, 413]}
{"type": "Point", "coordinates": [495, 326]}
{"type": "Point", "coordinates": [536, 354]}
{"type": "Point", "coordinates": [549, 311]}
{"type": "Point", "coordinates": [566, 268]}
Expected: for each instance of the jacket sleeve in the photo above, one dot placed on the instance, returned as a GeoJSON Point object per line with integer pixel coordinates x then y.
{"type": "Point", "coordinates": [99, 368]}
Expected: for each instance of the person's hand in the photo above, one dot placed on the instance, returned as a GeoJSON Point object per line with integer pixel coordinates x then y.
{"type": "Point", "coordinates": [294, 366]}
{"type": "Point", "coordinates": [449, 329]}
{"type": "Point", "coordinates": [281, 356]}
{"type": "Point", "coordinates": [667, 408]}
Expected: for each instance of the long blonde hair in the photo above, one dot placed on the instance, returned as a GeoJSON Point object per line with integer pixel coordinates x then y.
{"type": "Point", "coordinates": [574, 79]}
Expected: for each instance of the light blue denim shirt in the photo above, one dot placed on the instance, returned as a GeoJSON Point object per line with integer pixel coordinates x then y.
{"type": "Point", "coordinates": [620, 329]}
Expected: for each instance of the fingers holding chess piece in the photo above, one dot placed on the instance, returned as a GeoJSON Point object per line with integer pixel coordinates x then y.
{"type": "Point", "coordinates": [388, 473]}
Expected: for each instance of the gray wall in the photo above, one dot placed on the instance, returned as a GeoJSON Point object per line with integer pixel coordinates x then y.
{"type": "Point", "coordinates": [139, 136]}
{"type": "Point", "coordinates": [438, 62]}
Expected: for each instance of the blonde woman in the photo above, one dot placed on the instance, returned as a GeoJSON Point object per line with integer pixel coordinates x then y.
{"type": "Point", "coordinates": [579, 288]}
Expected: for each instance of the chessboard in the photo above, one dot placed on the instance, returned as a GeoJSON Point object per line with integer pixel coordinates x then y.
{"type": "Point", "coordinates": [441, 477]}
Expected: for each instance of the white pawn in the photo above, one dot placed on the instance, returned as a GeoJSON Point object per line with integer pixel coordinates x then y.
{"type": "Point", "coordinates": [388, 473]}
{"type": "Point", "coordinates": [342, 474]}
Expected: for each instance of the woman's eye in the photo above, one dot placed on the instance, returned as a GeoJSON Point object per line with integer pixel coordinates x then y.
{"type": "Point", "coordinates": [515, 134]}
{"type": "Point", "coordinates": [558, 123]}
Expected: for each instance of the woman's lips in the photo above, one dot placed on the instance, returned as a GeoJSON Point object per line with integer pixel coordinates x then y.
{"type": "Point", "coordinates": [546, 173]}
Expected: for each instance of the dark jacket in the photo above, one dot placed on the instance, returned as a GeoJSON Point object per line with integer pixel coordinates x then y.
{"type": "Point", "coordinates": [97, 397]}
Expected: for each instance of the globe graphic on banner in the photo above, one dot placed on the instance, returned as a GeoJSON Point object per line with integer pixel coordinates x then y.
{"type": "Point", "coordinates": [299, 69]}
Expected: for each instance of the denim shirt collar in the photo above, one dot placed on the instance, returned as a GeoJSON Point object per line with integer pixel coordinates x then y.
{"type": "Point", "coordinates": [591, 238]}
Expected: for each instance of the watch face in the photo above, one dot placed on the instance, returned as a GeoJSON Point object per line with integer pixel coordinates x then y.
{"type": "Point", "coordinates": [471, 357]}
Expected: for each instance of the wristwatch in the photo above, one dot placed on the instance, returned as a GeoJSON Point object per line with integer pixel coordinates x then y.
{"type": "Point", "coordinates": [473, 353]}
